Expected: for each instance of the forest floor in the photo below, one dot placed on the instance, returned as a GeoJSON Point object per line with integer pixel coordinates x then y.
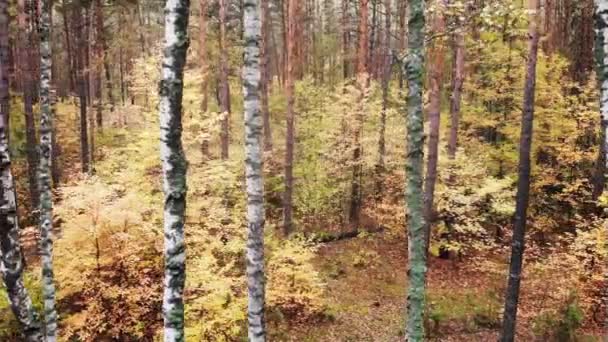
{"type": "Point", "coordinates": [366, 291]}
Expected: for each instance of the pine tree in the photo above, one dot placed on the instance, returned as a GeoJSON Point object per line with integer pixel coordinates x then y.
{"type": "Point", "coordinates": [174, 165]}
{"type": "Point", "coordinates": [292, 11]}
{"type": "Point", "coordinates": [414, 169]}
{"type": "Point", "coordinates": [523, 181]}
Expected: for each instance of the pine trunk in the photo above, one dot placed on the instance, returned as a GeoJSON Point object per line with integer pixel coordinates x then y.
{"type": "Point", "coordinates": [28, 87]}
{"type": "Point", "coordinates": [386, 79]}
{"type": "Point", "coordinates": [290, 136]}
{"type": "Point", "coordinates": [82, 88]}
{"type": "Point", "coordinates": [224, 89]}
{"type": "Point", "coordinates": [523, 182]}
{"type": "Point", "coordinates": [174, 165]}
{"type": "Point", "coordinates": [436, 73]}
{"type": "Point", "coordinates": [12, 261]}
{"type": "Point", "coordinates": [254, 170]}
{"type": "Point", "coordinates": [362, 84]}
{"type": "Point", "coordinates": [416, 267]}
{"type": "Point", "coordinates": [457, 83]}
{"type": "Point", "coordinates": [44, 174]}
{"type": "Point", "coordinates": [265, 70]}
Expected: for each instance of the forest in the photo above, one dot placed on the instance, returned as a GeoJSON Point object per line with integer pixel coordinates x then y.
{"type": "Point", "coordinates": [303, 170]}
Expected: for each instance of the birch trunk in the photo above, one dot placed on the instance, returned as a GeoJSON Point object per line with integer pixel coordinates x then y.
{"type": "Point", "coordinates": [254, 168]}
{"type": "Point", "coordinates": [174, 165]}
{"type": "Point", "coordinates": [416, 271]}
{"type": "Point", "coordinates": [44, 174]}
{"type": "Point", "coordinates": [601, 61]}
{"type": "Point", "coordinates": [12, 261]}
{"type": "Point", "coordinates": [523, 182]}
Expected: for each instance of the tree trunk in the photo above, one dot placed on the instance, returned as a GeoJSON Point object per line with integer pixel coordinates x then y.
{"type": "Point", "coordinates": [44, 176]}
{"type": "Point", "coordinates": [174, 166]}
{"type": "Point", "coordinates": [292, 16]}
{"type": "Point", "coordinates": [436, 73]}
{"type": "Point", "coordinates": [103, 54]}
{"type": "Point", "coordinates": [523, 182]}
{"type": "Point", "coordinates": [204, 71]}
{"type": "Point", "coordinates": [265, 76]}
{"type": "Point", "coordinates": [81, 85]}
{"type": "Point", "coordinates": [402, 12]}
{"type": "Point", "coordinates": [457, 82]}
{"type": "Point", "coordinates": [10, 248]}
{"type": "Point", "coordinates": [26, 58]}
{"type": "Point", "coordinates": [416, 267]}
{"type": "Point", "coordinates": [68, 46]}
{"type": "Point", "coordinates": [223, 86]}
{"type": "Point", "coordinates": [386, 79]}
{"type": "Point", "coordinates": [362, 84]}
{"type": "Point", "coordinates": [345, 40]}
{"type": "Point", "coordinates": [601, 56]}
{"type": "Point", "coordinates": [254, 170]}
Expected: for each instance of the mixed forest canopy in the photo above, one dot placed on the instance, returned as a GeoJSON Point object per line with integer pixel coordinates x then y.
{"type": "Point", "coordinates": [303, 170]}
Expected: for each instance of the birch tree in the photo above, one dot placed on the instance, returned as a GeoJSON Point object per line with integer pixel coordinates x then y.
{"type": "Point", "coordinates": [253, 168]}
{"type": "Point", "coordinates": [523, 181]}
{"type": "Point", "coordinates": [414, 169]}
{"type": "Point", "coordinates": [44, 173]}
{"type": "Point", "coordinates": [601, 61]}
{"type": "Point", "coordinates": [12, 262]}
{"type": "Point", "coordinates": [174, 165]}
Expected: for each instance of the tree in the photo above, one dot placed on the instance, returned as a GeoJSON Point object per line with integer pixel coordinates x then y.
{"type": "Point", "coordinates": [44, 173]}
{"type": "Point", "coordinates": [601, 61]}
{"type": "Point", "coordinates": [224, 88]}
{"type": "Point", "coordinates": [102, 45]}
{"type": "Point", "coordinates": [174, 165]}
{"type": "Point", "coordinates": [362, 84]}
{"type": "Point", "coordinates": [457, 82]}
{"type": "Point", "coordinates": [265, 65]}
{"type": "Point", "coordinates": [253, 168]}
{"type": "Point", "coordinates": [414, 170]}
{"type": "Point", "coordinates": [12, 261]}
{"type": "Point", "coordinates": [523, 181]}
{"type": "Point", "coordinates": [436, 55]}
{"type": "Point", "coordinates": [27, 86]}
{"type": "Point", "coordinates": [81, 85]}
{"type": "Point", "coordinates": [386, 79]}
{"type": "Point", "coordinates": [292, 13]}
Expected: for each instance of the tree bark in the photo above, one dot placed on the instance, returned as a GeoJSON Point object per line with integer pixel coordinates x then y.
{"type": "Point", "coordinates": [362, 84]}
{"type": "Point", "coordinates": [174, 165]}
{"type": "Point", "coordinates": [416, 267]}
{"type": "Point", "coordinates": [436, 71]}
{"type": "Point", "coordinates": [386, 79]}
{"type": "Point", "coordinates": [68, 46]}
{"type": "Point", "coordinates": [254, 159]}
{"type": "Point", "coordinates": [523, 182]}
{"type": "Point", "coordinates": [12, 261]}
{"type": "Point", "coordinates": [103, 51]}
{"type": "Point", "coordinates": [223, 85]}
{"type": "Point", "coordinates": [204, 71]}
{"type": "Point", "coordinates": [44, 174]}
{"type": "Point", "coordinates": [265, 70]}
{"type": "Point", "coordinates": [457, 83]}
{"type": "Point", "coordinates": [290, 136]}
{"type": "Point", "coordinates": [81, 85]}
{"type": "Point", "coordinates": [601, 62]}
{"type": "Point", "coordinates": [26, 59]}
